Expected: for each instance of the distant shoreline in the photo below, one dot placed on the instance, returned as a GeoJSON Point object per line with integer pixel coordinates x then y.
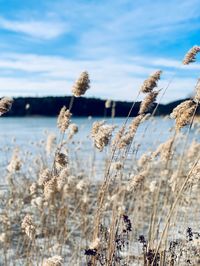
{"type": "Point", "coordinates": [82, 107]}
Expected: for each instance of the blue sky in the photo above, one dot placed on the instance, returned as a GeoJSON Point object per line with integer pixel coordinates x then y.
{"type": "Point", "coordinates": [45, 45]}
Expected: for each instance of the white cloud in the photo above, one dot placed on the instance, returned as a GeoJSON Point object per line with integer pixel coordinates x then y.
{"type": "Point", "coordinates": [30, 74]}
{"type": "Point", "coordinates": [44, 30]}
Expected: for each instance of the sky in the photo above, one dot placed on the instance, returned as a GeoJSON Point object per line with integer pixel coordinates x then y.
{"type": "Point", "coordinates": [46, 44]}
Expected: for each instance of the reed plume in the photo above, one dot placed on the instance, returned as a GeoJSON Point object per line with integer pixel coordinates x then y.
{"type": "Point", "coordinates": [164, 149]}
{"type": "Point", "coordinates": [101, 134]}
{"type": "Point", "coordinates": [33, 188]}
{"type": "Point", "coordinates": [64, 119]}
{"type": "Point", "coordinates": [5, 105]}
{"type": "Point", "coordinates": [148, 101]}
{"type": "Point", "coordinates": [150, 83]}
{"type": "Point", "coordinates": [15, 163]}
{"type": "Point", "coordinates": [53, 261]}
{"type": "Point", "coordinates": [38, 202]}
{"type": "Point", "coordinates": [50, 143]}
{"type": "Point", "coordinates": [62, 178]}
{"type": "Point", "coordinates": [73, 129]}
{"type": "Point", "coordinates": [28, 226]}
{"type": "Point", "coordinates": [81, 85]}
{"type": "Point", "coordinates": [135, 123]}
{"type": "Point", "coordinates": [183, 113]}
{"type": "Point", "coordinates": [118, 136]}
{"type": "Point", "coordinates": [3, 238]}
{"type": "Point", "coordinates": [44, 176]}
{"type": "Point", "coordinates": [190, 57]}
{"type": "Point", "coordinates": [61, 160]}
{"type": "Point", "coordinates": [124, 138]}
{"type": "Point", "coordinates": [50, 188]}
{"type": "Point", "coordinates": [136, 180]}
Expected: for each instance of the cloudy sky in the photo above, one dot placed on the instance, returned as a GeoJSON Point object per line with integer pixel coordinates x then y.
{"type": "Point", "coordinates": [45, 45]}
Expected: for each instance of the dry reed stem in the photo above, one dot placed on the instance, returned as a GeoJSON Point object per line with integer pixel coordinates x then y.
{"type": "Point", "coordinates": [174, 204]}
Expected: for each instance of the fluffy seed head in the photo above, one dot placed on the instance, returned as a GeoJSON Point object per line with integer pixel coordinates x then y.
{"type": "Point", "coordinates": [15, 163]}
{"type": "Point", "coordinates": [95, 243]}
{"type": "Point", "coordinates": [183, 113]}
{"type": "Point", "coordinates": [28, 226]}
{"type": "Point", "coordinates": [118, 137]}
{"type": "Point", "coordinates": [153, 186]}
{"type": "Point", "coordinates": [5, 105]}
{"type": "Point", "coordinates": [123, 140]}
{"type": "Point", "coordinates": [164, 149]}
{"type": "Point", "coordinates": [190, 57]}
{"type": "Point", "coordinates": [44, 176]}
{"type": "Point", "coordinates": [101, 134]}
{"type": "Point", "coordinates": [73, 129]}
{"type": "Point", "coordinates": [81, 85]}
{"type": "Point", "coordinates": [150, 83]}
{"type": "Point", "coordinates": [50, 187]}
{"type": "Point", "coordinates": [116, 166]}
{"type": "Point", "coordinates": [53, 261]}
{"type": "Point", "coordinates": [64, 119]}
{"type": "Point", "coordinates": [62, 178]}
{"type": "Point", "coordinates": [136, 180]}
{"type": "Point", "coordinates": [38, 202]}
{"type": "Point", "coordinates": [148, 101]}
{"type": "Point", "coordinates": [51, 143]}
{"type": "Point", "coordinates": [3, 238]}
{"type": "Point", "coordinates": [135, 123]}
{"type": "Point", "coordinates": [61, 160]}
{"type": "Point", "coordinates": [33, 188]}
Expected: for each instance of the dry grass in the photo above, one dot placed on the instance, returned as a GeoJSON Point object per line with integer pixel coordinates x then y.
{"type": "Point", "coordinates": [143, 211]}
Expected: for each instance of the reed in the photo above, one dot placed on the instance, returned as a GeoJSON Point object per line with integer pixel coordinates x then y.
{"type": "Point", "coordinates": [142, 211]}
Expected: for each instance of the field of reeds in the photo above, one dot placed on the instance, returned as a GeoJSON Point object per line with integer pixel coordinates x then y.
{"type": "Point", "coordinates": [142, 211]}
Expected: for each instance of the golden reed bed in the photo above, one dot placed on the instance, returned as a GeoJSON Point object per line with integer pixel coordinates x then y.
{"type": "Point", "coordinates": [142, 212]}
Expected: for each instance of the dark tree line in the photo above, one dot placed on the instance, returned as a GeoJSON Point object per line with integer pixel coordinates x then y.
{"type": "Point", "coordinates": [50, 106]}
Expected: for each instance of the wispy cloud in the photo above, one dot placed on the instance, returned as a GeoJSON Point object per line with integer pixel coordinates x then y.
{"type": "Point", "coordinates": [31, 74]}
{"type": "Point", "coordinates": [44, 30]}
{"type": "Point", "coordinates": [134, 27]}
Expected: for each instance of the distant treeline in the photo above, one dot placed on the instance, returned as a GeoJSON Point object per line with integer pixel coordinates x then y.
{"type": "Point", "coordinates": [50, 106]}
